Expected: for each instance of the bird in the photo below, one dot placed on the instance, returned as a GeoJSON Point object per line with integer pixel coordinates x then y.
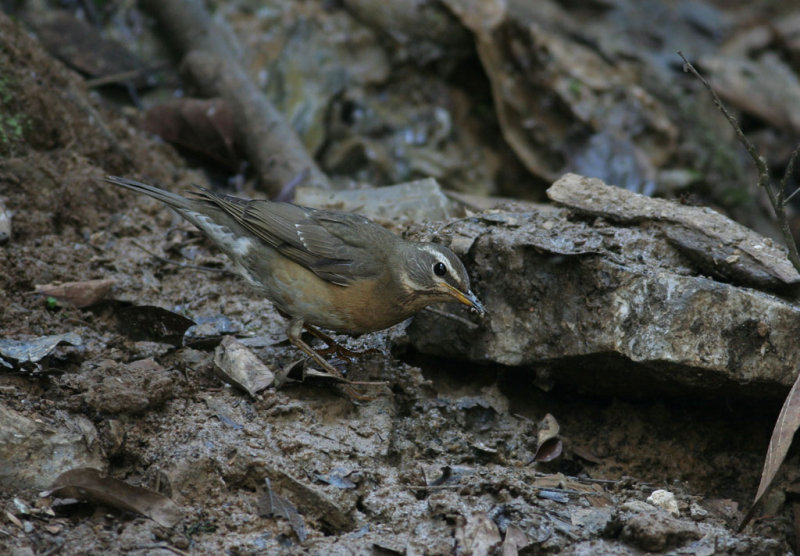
{"type": "Point", "coordinates": [322, 268]}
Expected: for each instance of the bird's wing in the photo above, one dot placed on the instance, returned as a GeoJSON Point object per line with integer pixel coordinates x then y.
{"type": "Point", "coordinates": [337, 247]}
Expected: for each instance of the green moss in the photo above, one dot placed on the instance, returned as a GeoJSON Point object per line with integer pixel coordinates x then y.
{"type": "Point", "coordinates": [13, 124]}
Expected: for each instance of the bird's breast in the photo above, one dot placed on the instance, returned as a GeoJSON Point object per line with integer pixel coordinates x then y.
{"type": "Point", "coordinates": [365, 305]}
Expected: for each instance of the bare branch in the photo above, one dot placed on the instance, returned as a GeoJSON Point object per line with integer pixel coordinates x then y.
{"type": "Point", "coordinates": [788, 174]}
{"type": "Point", "coordinates": [214, 59]}
{"type": "Point", "coordinates": [776, 198]}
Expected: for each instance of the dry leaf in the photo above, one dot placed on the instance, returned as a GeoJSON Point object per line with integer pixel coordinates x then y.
{"type": "Point", "coordinates": [35, 349]}
{"type": "Point", "coordinates": [549, 445]}
{"type": "Point", "coordinates": [78, 294]}
{"type": "Point", "coordinates": [13, 519]}
{"type": "Point", "coordinates": [336, 478]}
{"type": "Point", "coordinates": [785, 427]}
{"type": "Point", "coordinates": [151, 323]}
{"type": "Point", "coordinates": [477, 536]}
{"type": "Point", "coordinates": [548, 429]}
{"type": "Point", "coordinates": [515, 540]}
{"type": "Point", "coordinates": [270, 504]}
{"type": "Point", "coordinates": [240, 366]}
{"type": "Point", "coordinates": [203, 126]}
{"type": "Point", "coordinates": [86, 483]}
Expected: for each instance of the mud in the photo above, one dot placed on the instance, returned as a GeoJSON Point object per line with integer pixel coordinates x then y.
{"type": "Point", "coordinates": [439, 461]}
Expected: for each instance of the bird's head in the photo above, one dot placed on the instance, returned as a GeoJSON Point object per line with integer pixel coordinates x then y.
{"type": "Point", "coordinates": [432, 273]}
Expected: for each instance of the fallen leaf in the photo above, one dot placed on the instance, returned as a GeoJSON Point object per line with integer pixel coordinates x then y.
{"type": "Point", "coordinates": [240, 366]}
{"type": "Point", "coordinates": [586, 454]}
{"type": "Point", "coordinates": [35, 349]}
{"type": "Point", "coordinates": [86, 483]}
{"type": "Point", "coordinates": [549, 451]}
{"type": "Point", "coordinates": [785, 427]}
{"type": "Point", "coordinates": [151, 323]}
{"type": "Point", "coordinates": [477, 535]}
{"type": "Point", "coordinates": [78, 294]}
{"type": "Point", "coordinates": [13, 519]}
{"type": "Point", "coordinates": [270, 504]}
{"type": "Point", "coordinates": [336, 478]}
{"type": "Point", "coordinates": [515, 540]}
{"type": "Point", "coordinates": [549, 445]}
{"type": "Point", "coordinates": [548, 429]}
{"type": "Point", "coordinates": [203, 126]}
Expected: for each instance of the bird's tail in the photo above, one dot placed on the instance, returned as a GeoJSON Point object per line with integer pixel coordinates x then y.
{"type": "Point", "coordinates": [173, 200]}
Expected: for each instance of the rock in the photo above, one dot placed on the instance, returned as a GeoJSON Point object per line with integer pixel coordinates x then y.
{"type": "Point", "coordinates": [395, 205]}
{"type": "Point", "coordinates": [131, 388]}
{"type": "Point", "coordinates": [656, 531]}
{"type": "Point", "coordinates": [5, 224]}
{"type": "Point", "coordinates": [28, 353]}
{"type": "Point", "coordinates": [617, 305]}
{"type": "Point", "coordinates": [714, 243]}
{"type": "Point", "coordinates": [33, 454]}
{"type": "Point", "coordinates": [697, 512]}
{"type": "Point", "coordinates": [665, 500]}
{"type": "Point", "coordinates": [236, 364]}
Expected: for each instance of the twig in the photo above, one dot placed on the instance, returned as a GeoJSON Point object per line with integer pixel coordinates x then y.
{"type": "Point", "coordinates": [465, 322]}
{"type": "Point", "coordinates": [183, 265]}
{"type": "Point", "coordinates": [214, 59]}
{"type": "Point", "coordinates": [162, 546]}
{"type": "Point", "coordinates": [776, 198]}
{"type": "Point", "coordinates": [565, 490]}
{"type": "Point", "coordinates": [435, 487]}
{"type": "Point", "coordinates": [123, 76]}
{"type": "Point", "coordinates": [788, 173]}
{"type": "Point", "coordinates": [286, 193]}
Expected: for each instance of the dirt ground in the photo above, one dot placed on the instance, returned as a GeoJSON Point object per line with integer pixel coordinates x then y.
{"type": "Point", "coordinates": [439, 463]}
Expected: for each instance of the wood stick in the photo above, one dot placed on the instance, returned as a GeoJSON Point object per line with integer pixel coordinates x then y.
{"type": "Point", "coordinates": [213, 58]}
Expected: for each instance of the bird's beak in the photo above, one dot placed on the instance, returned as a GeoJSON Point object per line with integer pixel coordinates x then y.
{"type": "Point", "coordinates": [469, 299]}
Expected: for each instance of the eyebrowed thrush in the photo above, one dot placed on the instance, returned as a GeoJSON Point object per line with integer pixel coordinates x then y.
{"type": "Point", "coordinates": [322, 268]}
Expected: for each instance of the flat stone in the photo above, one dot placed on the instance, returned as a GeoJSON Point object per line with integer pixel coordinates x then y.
{"type": "Point", "coordinates": [33, 454]}
{"type": "Point", "coordinates": [608, 302]}
{"type": "Point", "coordinates": [394, 205]}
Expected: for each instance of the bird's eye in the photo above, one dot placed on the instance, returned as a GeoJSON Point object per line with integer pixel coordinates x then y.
{"type": "Point", "coordinates": [439, 269]}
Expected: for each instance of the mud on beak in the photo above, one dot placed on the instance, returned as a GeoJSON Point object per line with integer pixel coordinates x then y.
{"type": "Point", "coordinates": [469, 299]}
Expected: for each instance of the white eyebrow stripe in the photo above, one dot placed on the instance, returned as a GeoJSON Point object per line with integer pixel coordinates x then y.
{"type": "Point", "coordinates": [439, 257]}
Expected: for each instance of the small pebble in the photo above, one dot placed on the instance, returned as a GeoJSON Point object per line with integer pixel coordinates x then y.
{"type": "Point", "coordinates": [697, 512]}
{"type": "Point", "coordinates": [5, 224]}
{"type": "Point", "coordinates": [664, 499]}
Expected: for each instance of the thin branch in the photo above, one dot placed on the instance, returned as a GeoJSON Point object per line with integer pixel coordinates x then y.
{"type": "Point", "coordinates": [788, 174]}
{"type": "Point", "coordinates": [776, 198]}
{"type": "Point", "coordinates": [451, 316]}
{"type": "Point", "coordinates": [183, 265]}
{"type": "Point", "coordinates": [124, 76]}
{"type": "Point", "coordinates": [216, 62]}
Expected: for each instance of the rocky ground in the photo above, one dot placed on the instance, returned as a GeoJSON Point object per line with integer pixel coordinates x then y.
{"type": "Point", "coordinates": [475, 443]}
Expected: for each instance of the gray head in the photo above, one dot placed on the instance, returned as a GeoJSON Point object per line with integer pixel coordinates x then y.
{"type": "Point", "coordinates": [432, 273]}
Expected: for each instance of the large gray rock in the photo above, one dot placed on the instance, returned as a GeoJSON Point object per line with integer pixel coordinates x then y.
{"type": "Point", "coordinates": [33, 453]}
{"type": "Point", "coordinates": [392, 206]}
{"type": "Point", "coordinates": [616, 289]}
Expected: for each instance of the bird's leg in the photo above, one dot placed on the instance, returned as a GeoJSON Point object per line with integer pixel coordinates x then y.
{"type": "Point", "coordinates": [294, 332]}
{"type": "Point", "coordinates": [334, 346]}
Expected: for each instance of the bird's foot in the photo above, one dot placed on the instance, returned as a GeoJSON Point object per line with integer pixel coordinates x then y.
{"type": "Point", "coordinates": [348, 385]}
{"type": "Point", "coordinates": [334, 347]}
